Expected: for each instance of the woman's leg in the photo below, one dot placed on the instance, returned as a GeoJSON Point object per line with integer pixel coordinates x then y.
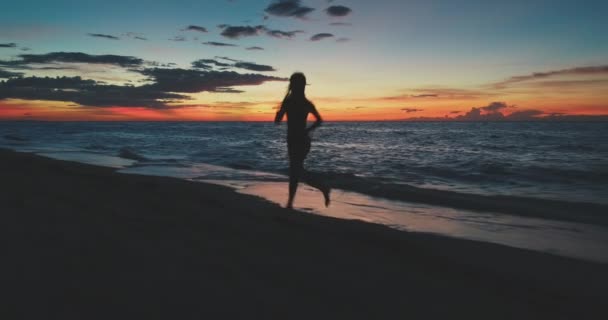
{"type": "Point", "coordinates": [315, 181]}
{"type": "Point", "coordinates": [295, 171]}
{"type": "Point", "coordinates": [312, 179]}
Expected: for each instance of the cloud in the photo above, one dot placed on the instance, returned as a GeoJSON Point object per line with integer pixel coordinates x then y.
{"type": "Point", "coordinates": [85, 92]}
{"type": "Point", "coordinates": [338, 11]}
{"type": "Point", "coordinates": [163, 87]}
{"type": "Point", "coordinates": [288, 8]}
{"type": "Point", "coordinates": [255, 48]}
{"type": "Point", "coordinates": [426, 95]}
{"type": "Point", "coordinates": [492, 112]}
{"type": "Point", "coordinates": [342, 40]}
{"type": "Point", "coordinates": [410, 110]}
{"type": "Point", "coordinates": [169, 86]}
{"type": "Point", "coordinates": [178, 39]}
{"type": "Point", "coordinates": [439, 93]}
{"type": "Point", "coordinates": [160, 64]}
{"type": "Point", "coordinates": [321, 36]}
{"type": "Point", "coordinates": [100, 35]}
{"type": "Point", "coordinates": [8, 45]}
{"type": "Point", "coordinates": [195, 28]}
{"type": "Point", "coordinates": [199, 64]}
{"type": "Point", "coordinates": [9, 74]}
{"type": "Point", "coordinates": [343, 24]}
{"type": "Point", "coordinates": [580, 71]}
{"type": "Point", "coordinates": [134, 35]}
{"type": "Point", "coordinates": [219, 44]}
{"type": "Point", "coordinates": [210, 61]}
{"type": "Point", "coordinates": [191, 81]}
{"type": "Point", "coordinates": [495, 106]}
{"type": "Point", "coordinates": [75, 57]}
{"type": "Point", "coordinates": [253, 66]}
{"type": "Point", "coordinates": [235, 32]}
{"type": "Point", "coordinates": [226, 58]}
{"type": "Point", "coordinates": [283, 34]}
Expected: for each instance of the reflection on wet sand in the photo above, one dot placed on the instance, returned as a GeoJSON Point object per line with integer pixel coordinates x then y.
{"type": "Point", "coordinates": [562, 238]}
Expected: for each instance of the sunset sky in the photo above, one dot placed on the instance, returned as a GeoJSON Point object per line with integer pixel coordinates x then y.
{"type": "Point", "coordinates": [364, 60]}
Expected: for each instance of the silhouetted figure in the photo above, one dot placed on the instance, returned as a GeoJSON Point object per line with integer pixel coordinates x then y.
{"type": "Point", "coordinates": [297, 108]}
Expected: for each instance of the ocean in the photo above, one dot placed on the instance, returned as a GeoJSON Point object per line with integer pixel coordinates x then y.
{"type": "Point", "coordinates": [552, 160]}
{"type": "Point", "coordinates": [548, 176]}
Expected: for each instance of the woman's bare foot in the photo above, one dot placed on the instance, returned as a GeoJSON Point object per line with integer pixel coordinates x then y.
{"type": "Point", "coordinates": [326, 193]}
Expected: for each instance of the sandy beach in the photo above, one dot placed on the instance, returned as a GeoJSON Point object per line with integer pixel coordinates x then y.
{"type": "Point", "coordinates": [86, 242]}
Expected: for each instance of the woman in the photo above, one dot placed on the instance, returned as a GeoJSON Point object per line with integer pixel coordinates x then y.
{"type": "Point", "coordinates": [297, 108]}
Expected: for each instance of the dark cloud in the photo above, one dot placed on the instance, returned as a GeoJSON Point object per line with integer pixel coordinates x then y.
{"type": "Point", "coordinates": [191, 81]}
{"type": "Point", "coordinates": [226, 58]}
{"type": "Point", "coordinates": [288, 8]}
{"type": "Point", "coordinates": [235, 32]}
{"type": "Point", "coordinates": [134, 35]}
{"type": "Point", "coordinates": [283, 34]}
{"type": "Point", "coordinates": [580, 71]}
{"type": "Point", "coordinates": [564, 84]}
{"type": "Point", "coordinates": [9, 74]}
{"type": "Point", "coordinates": [340, 24]}
{"type": "Point", "coordinates": [85, 92]}
{"type": "Point", "coordinates": [428, 95]}
{"type": "Point", "coordinates": [494, 107]}
{"type": "Point", "coordinates": [164, 86]}
{"type": "Point", "coordinates": [342, 40]}
{"type": "Point", "coordinates": [219, 44]}
{"type": "Point", "coordinates": [253, 66]}
{"type": "Point", "coordinates": [195, 28]}
{"type": "Point", "coordinates": [492, 112]}
{"type": "Point", "coordinates": [168, 87]}
{"type": "Point", "coordinates": [105, 36]}
{"type": "Point", "coordinates": [410, 110]}
{"type": "Point", "coordinates": [440, 93]}
{"type": "Point", "coordinates": [455, 112]}
{"type": "Point", "coordinates": [255, 48]}
{"type": "Point", "coordinates": [228, 90]}
{"type": "Point", "coordinates": [210, 62]}
{"type": "Point", "coordinates": [321, 36]}
{"type": "Point", "coordinates": [338, 11]}
{"type": "Point", "coordinates": [8, 45]}
{"type": "Point", "coordinates": [74, 57]}
{"type": "Point", "coordinates": [178, 39]}
{"type": "Point", "coordinates": [160, 64]}
{"type": "Point", "coordinates": [199, 64]}
{"type": "Point", "coordinates": [25, 49]}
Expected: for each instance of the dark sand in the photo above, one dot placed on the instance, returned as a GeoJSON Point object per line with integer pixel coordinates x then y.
{"type": "Point", "coordinates": [84, 242]}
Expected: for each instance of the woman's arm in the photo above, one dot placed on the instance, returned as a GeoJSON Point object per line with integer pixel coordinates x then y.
{"type": "Point", "coordinates": [317, 116]}
{"type": "Point", "coordinates": [279, 116]}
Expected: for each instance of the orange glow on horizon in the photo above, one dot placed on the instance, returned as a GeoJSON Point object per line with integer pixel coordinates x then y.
{"type": "Point", "coordinates": [368, 110]}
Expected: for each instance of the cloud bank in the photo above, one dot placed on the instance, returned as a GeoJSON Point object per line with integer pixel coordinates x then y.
{"type": "Point", "coordinates": [164, 85]}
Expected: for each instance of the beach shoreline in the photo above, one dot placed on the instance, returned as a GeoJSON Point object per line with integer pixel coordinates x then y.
{"type": "Point", "coordinates": [88, 242]}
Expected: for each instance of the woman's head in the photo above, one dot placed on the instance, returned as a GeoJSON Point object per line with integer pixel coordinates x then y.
{"type": "Point", "coordinates": [297, 83]}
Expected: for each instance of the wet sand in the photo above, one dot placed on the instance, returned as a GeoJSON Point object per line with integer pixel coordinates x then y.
{"type": "Point", "coordinates": [85, 242]}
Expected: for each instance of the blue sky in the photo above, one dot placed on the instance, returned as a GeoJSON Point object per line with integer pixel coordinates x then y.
{"type": "Point", "coordinates": [389, 46]}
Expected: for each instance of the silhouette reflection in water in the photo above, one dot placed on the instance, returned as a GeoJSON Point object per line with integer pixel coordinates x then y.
{"type": "Point", "coordinates": [297, 108]}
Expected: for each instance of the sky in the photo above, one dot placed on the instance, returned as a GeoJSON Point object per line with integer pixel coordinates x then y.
{"type": "Point", "coordinates": [222, 60]}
